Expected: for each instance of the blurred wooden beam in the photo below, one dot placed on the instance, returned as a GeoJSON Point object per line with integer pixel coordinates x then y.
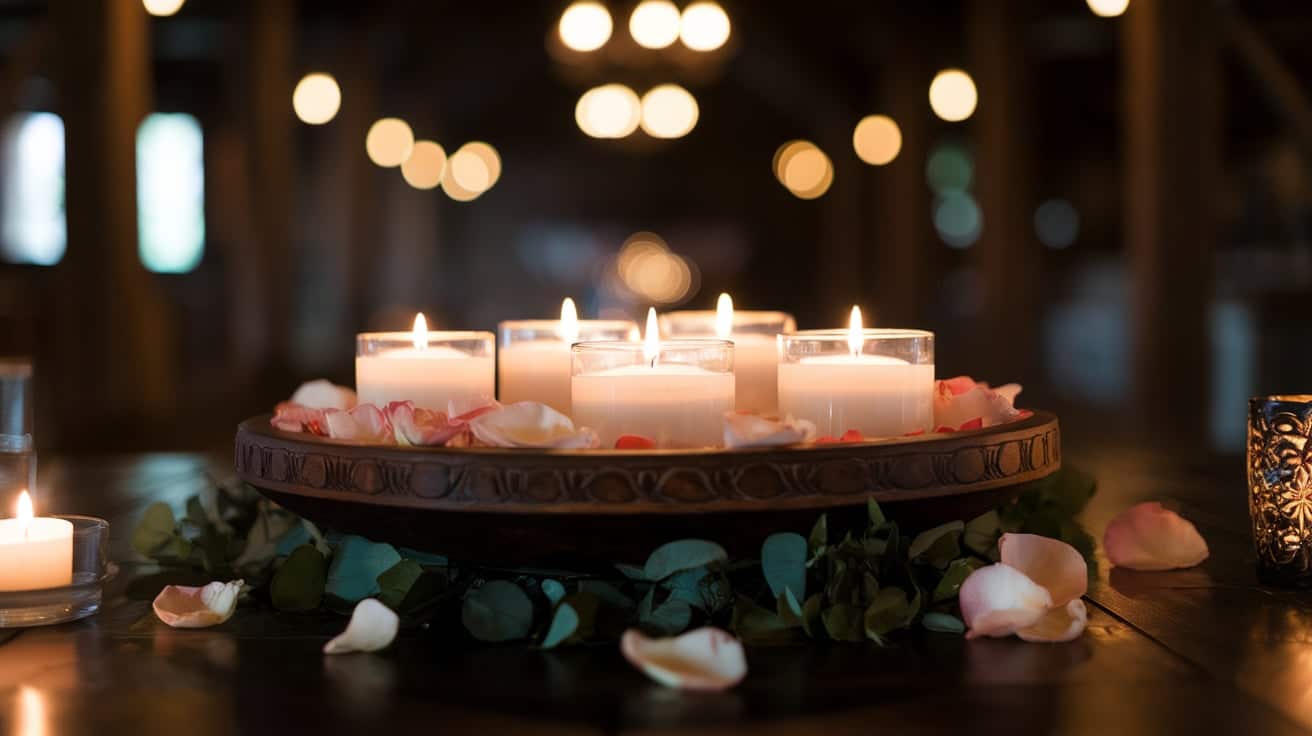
{"type": "Point", "coordinates": [1172, 142]}
{"type": "Point", "coordinates": [1287, 93]}
{"type": "Point", "coordinates": [114, 358]}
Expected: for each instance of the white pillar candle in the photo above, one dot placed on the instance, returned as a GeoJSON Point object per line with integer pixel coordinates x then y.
{"type": "Point", "coordinates": [879, 395]}
{"type": "Point", "coordinates": [35, 553]}
{"type": "Point", "coordinates": [674, 394]}
{"type": "Point", "coordinates": [755, 347]}
{"type": "Point", "coordinates": [533, 359]}
{"type": "Point", "coordinates": [428, 368]}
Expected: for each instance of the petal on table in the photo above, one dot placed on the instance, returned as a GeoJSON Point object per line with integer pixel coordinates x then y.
{"type": "Point", "coordinates": [1062, 623]}
{"type": "Point", "coordinates": [322, 394]}
{"type": "Point", "coordinates": [186, 607]}
{"type": "Point", "coordinates": [1147, 536]}
{"type": "Point", "coordinates": [1050, 563]}
{"type": "Point", "coordinates": [373, 626]}
{"type": "Point", "coordinates": [365, 423]}
{"type": "Point", "coordinates": [956, 405]}
{"type": "Point", "coordinates": [292, 417]}
{"type": "Point", "coordinates": [999, 600]}
{"type": "Point", "coordinates": [530, 424]}
{"type": "Point", "coordinates": [706, 659]}
{"type": "Point", "coordinates": [420, 427]}
{"type": "Point", "coordinates": [753, 430]}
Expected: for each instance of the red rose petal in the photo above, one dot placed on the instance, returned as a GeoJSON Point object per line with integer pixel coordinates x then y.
{"type": "Point", "coordinates": [634, 442]}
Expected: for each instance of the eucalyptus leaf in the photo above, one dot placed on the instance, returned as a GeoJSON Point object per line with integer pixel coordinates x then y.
{"type": "Point", "coordinates": [938, 546]}
{"type": "Point", "coordinates": [842, 622]}
{"type": "Point", "coordinates": [427, 559]}
{"type": "Point", "coordinates": [982, 532]}
{"type": "Point", "coordinates": [811, 623]}
{"type": "Point", "coordinates": [607, 593]}
{"type": "Point", "coordinates": [876, 514]}
{"type": "Point", "coordinates": [943, 622]}
{"type": "Point", "coordinates": [497, 611]}
{"type": "Point", "coordinates": [553, 590]}
{"type": "Point", "coordinates": [953, 577]}
{"type": "Point", "coordinates": [299, 584]}
{"type": "Point", "coordinates": [156, 528]}
{"type": "Point", "coordinates": [684, 554]}
{"type": "Point", "coordinates": [889, 611]}
{"type": "Point", "coordinates": [632, 572]}
{"type": "Point", "coordinates": [563, 625]}
{"type": "Point", "coordinates": [783, 562]}
{"type": "Point", "coordinates": [394, 584]}
{"type": "Point", "coordinates": [669, 618]}
{"type": "Point", "coordinates": [686, 586]}
{"type": "Point", "coordinates": [788, 609]}
{"type": "Point", "coordinates": [586, 606]}
{"type": "Point", "coordinates": [357, 563]}
{"type": "Point", "coordinates": [819, 537]}
{"type": "Point", "coordinates": [756, 625]}
{"type": "Point", "coordinates": [297, 536]}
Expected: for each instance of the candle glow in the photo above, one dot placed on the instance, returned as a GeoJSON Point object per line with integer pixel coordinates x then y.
{"type": "Point", "coordinates": [25, 513]}
{"type": "Point", "coordinates": [855, 334]}
{"type": "Point", "coordinates": [35, 553]}
{"type": "Point", "coordinates": [651, 344]}
{"type": "Point", "coordinates": [569, 321]}
{"type": "Point", "coordinates": [724, 317]}
{"type": "Point", "coordinates": [419, 332]}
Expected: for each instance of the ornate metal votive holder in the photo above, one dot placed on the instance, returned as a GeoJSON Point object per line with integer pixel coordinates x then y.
{"type": "Point", "coordinates": [91, 570]}
{"type": "Point", "coordinates": [1280, 487]}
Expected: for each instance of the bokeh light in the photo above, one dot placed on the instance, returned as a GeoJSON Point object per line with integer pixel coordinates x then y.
{"type": "Point", "coordinates": [669, 111]}
{"type": "Point", "coordinates": [162, 8]}
{"type": "Point", "coordinates": [425, 166]}
{"type": "Point", "coordinates": [877, 139]}
{"type": "Point", "coordinates": [608, 111]}
{"type": "Point", "coordinates": [803, 169]}
{"type": "Point", "coordinates": [472, 170]}
{"type": "Point", "coordinates": [654, 24]}
{"type": "Point", "coordinates": [389, 142]}
{"type": "Point", "coordinates": [704, 26]}
{"type": "Point", "coordinates": [957, 219]}
{"type": "Point", "coordinates": [585, 26]}
{"type": "Point", "coordinates": [950, 167]}
{"type": "Point", "coordinates": [1108, 8]}
{"type": "Point", "coordinates": [649, 269]}
{"type": "Point", "coordinates": [1057, 223]}
{"type": "Point", "coordinates": [952, 95]}
{"type": "Point", "coordinates": [317, 98]}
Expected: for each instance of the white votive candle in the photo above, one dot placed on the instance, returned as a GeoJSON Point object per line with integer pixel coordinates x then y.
{"type": "Point", "coordinates": [35, 553]}
{"type": "Point", "coordinates": [755, 347]}
{"type": "Point", "coordinates": [533, 357]}
{"type": "Point", "coordinates": [878, 382]}
{"type": "Point", "coordinates": [429, 368]}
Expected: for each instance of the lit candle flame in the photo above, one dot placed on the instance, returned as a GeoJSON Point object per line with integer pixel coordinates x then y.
{"type": "Point", "coordinates": [724, 317]}
{"type": "Point", "coordinates": [651, 345]}
{"type": "Point", "coordinates": [855, 336]}
{"type": "Point", "coordinates": [420, 332]}
{"type": "Point", "coordinates": [569, 321]}
{"type": "Point", "coordinates": [25, 512]}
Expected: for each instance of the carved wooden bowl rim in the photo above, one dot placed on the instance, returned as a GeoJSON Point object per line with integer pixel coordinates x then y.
{"type": "Point", "coordinates": [648, 481]}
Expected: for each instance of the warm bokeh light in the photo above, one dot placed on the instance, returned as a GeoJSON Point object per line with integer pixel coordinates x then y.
{"type": "Point", "coordinates": [1108, 8]}
{"type": "Point", "coordinates": [31, 716]}
{"type": "Point", "coordinates": [648, 268]}
{"type": "Point", "coordinates": [163, 8]}
{"type": "Point", "coordinates": [425, 166]}
{"type": "Point", "coordinates": [419, 332]}
{"type": "Point", "coordinates": [389, 142]}
{"type": "Point", "coordinates": [651, 342]}
{"type": "Point", "coordinates": [724, 317]}
{"type": "Point", "coordinates": [856, 339]}
{"type": "Point", "coordinates": [1057, 223]}
{"type": "Point", "coordinates": [803, 169]}
{"type": "Point", "coordinates": [877, 139]}
{"type": "Point", "coordinates": [24, 511]}
{"type": "Point", "coordinates": [585, 26]}
{"type": "Point", "coordinates": [469, 171]}
{"type": "Point", "coordinates": [654, 24]}
{"type": "Point", "coordinates": [704, 26]}
{"type": "Point", "coordinates": [569, 321]}
{"type": "Point", "coordinates": [491, 160]}
{"type": "Point", "coordinates": [608, 111]}
{"type": "Point", "coordinates": [317, 98]}
{"type": "Point", "coordinates": [952, 95]}
{"type": "Point", "coordinates": [669, 111]}
{"type": "Point", "coordinates": [453, 190]}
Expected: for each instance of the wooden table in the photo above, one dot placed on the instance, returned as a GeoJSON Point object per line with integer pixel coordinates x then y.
{"type": "Point", "coordinates": [1204, 650]}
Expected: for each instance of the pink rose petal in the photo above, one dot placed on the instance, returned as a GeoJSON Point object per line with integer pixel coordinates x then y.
{"type": "Point", "coordinates": [323, 394]}
{"type": "Point", "coordinates": [292, 417]}
{"type": "Point", "coordinates": [706, 659]}
{"type": "Point", "coordinates": [185, 607]}
{"type": "Point", "coordinates": [754, 430]}
{"type": "Point", "coordinates": [1050, 563]}
{"type": "Point", "coordinates": [468, 408]}
{"type": "Point", "coordinates": [999, 600]}
{"type": "Point", "coordinates": [530, 424]}
{"type": "Point", "coordinates": [1061, 623]}
{"type": "Point", "coordinates": [365, 423]}
{"type": "Point", "coordinates": [1147, 536]}
{"type": "Point", "coordinates": [420, 427]}
{"type": "Point", "coordinates": [959, 401]}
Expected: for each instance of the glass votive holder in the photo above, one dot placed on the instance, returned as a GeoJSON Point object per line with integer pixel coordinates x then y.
{"type": "Point", "coordinates": [1280, 487]}
{"type": "Point", "coordinates": [879, 382]}
{"type": "Point", "coordinates": [756, 351]}
{"type": "Point", "coordinates": [431, 369]}
{"type": "Point", "coordinates": [78, 599]}
{"type": "Point", "coordinates": [675, 397]}
{"type": "Point", "coordinates": [533, 357]}
{"type": "Point", "coordinates": [15, 396]}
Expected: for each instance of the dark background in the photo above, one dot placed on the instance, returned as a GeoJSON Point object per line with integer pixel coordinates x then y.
{"type": "Point", "coordinates": [1179, 133]}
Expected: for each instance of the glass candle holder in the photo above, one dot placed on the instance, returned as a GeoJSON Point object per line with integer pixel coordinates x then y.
{"type": "Point", "coordinates": [431, 369]}
{"type": "Point", "coordinates": [879, 382]}
{"type": "Point", "coordinates": [17, 453]}
{"type": "Point", "coordinates": [1280, 487]}
{"type": "Point", "coordinates": [77, 599]}
{"type": "Point", "coordinates": [533, 357]}
{"type": "Point", "coordinates": [756, 351]}
{"type": "Point", "coordinates": [676, 398]}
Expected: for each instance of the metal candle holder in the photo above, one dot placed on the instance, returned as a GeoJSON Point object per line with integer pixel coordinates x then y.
{"type": "Point", "coordinates": [1280, 487]}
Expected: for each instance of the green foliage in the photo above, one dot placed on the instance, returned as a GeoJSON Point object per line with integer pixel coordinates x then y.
{"type": "Point", "coordinates": [357, 563]}
{"type": "Point", "coordinates": [396, 582]}
{"type": "Point", "coordinates": [298, 585]}
{"type": "Point", "coordinates": [783, 562]}
{"type": "Point", "coordinates": [685, 554]}
{"type": "Point", "coordinates": [497, 611]}
{"type": "Point", "coordinates": [563, 625]}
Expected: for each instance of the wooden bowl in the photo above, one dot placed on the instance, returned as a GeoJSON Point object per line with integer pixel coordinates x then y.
{"type": "Point", "coordinates": [584, 507]}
